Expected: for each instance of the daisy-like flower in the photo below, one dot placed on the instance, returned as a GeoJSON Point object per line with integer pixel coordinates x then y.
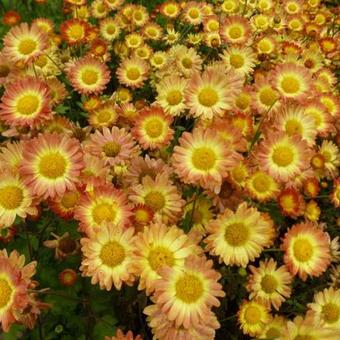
{"type": "Point", "coordinates": [307, 250]}
{"type": "Point", "coordinates": [103, 116]}
{"type": "Point", "coordinates": [121, 336]}
{"type": "Point", "coordinates": [293, 120]}
{"type": "Point", "coordinates": [51, 164]}
{"type": "Point", "coordinates": [103, 205]}
{"type": "Point", "coordinates": [171, 94]}
{"type": "Point", "coordinates": [282, 156]}
{"type": "Point", "coordinates": [262, 186]}
{"type": "Point", "coordinates": [291, 202]}
{"type": "Point", "coordinates": [212, 93]}
{"type": "Point", "coordinates": [235, 30]}
{"type": "Point", "coordinates": [291, 80]}
{"type": "Point", "coordinates": [163, 328]}
{"type": "Point", "coordinates": [240, 59]}
{"type": "Point", "coordinates": [193, 13]}
{"type": "Point", "coordinates": [15, 199]}
{"type": "Point", "coordinates": [63, 245]}
{"type": "Point", "coordinates": [89, 75]}
{"type": "Point", "coordinates": [273, 329]}
{"type": "Point", "coordinates": [307, 328]}
{"type": "Point", "coordinates": [152, 128]}
{"type": "Point", "coordinates": [253, 316]}
{"type": "Point", "coordinates": [107, 256]}
{"type": "Point", "coordinates": [64, 205]}
{"type": "Point", "coordinates": [239, 237]}
{"type": "Point", "coordinates": [132, 72]}
{"type": "Point", "coordinates": [15, 280]}
{"type": "Point", "coordinates": [203, 158]}
{"type": "Point", "coordinates": [24, 43]}
{"type": "Point", "coordinates": [331, 155]}
{"type": "Point", "coordinates": [170, 9]}
{"type": "Point", "coordinates": [158, 246]}
{"type": "Point", "coordinates": [74, 31]}
{"type": "Point", "coordinates": [269, 283]}
{"type": "Point", "coordinates": [109, 28]}
{"type": "Point", "coordinates": [160, 195]}
{"type": "Point", "coordinates": [11, 155]}
{"type": "Point", "coordinates": [26, 102]}
{"type": "Point", "coordinates": [335, 194]}
{"type": "Point", "coordinates": [115, 146]}
{"type": "Point", "coordinates": [187, 59]}
{"type": "Point", "coordinates": [187, 294]}
{"type": "Point", "coordinates": [325, 307]}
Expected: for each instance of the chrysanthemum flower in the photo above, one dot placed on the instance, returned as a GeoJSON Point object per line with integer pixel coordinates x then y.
{"type": "Point", "coordinates": [163, 328]}
{"type": "Point", "coordinates": [331, 155]}
{"type": "Point", "coordinates": [307, 250]}
{"type": "Point", "coordinates": [170, 9]}
{"type": "Point", "coordinates": [109, 28]}
{"type": "Point", "coordinates": [291, 80]}
{"type": "Point", "coordinates": [152, 128]}
{"type": "Point", "coordinates": [15, 199]}
{"type": "Point", "coordinates": [253, 317]}
{"type": "Point", "coordinates": [239, 237]}
{"type": "Point", "coordinates": [57, 91]}
{"type": "Point", "coordinates": [283, 157]}
{"type": "Point", "coordinates": [88, 75]}
{"type": "Point", "coordinates": [51, 164]}
{"type": "Point", "coordinates": [262, 186]}
{"type": "Point", "coordinates": [104, 204]}
{"type": "Point", "coordinates": [307, 328]}
{"type": "Point", "coordinates": [235, 30]}
{"type": "Point", "coordinates": [186, 295]}
{"type": "Point", "coordinates": [273, 329]}
{"type": "Point", "coordinates": [193, 13]}
{"type": "Point", "coordinates": [203, 158]}
{"type": "Point", "coordinates": [107, 256]}
{"type": "Point", "coordinates": [74, 31]}
{"type": "Point", "coordinates": [24, 43]}
{"type": "Point", "coordinates": [132, 72]}
{"type": "Point", "coordinates": [212, 93]}
{"type": "Point", "coordinates": [269, 283]}
{"type": "Point", "coordinates": [291, 202]}
{"type": "Point", "coordinates": [115, 146]}
{"type": "Point", "coordinates": [15, 280]}
{"type": "Point", "coordinates": [63, 245]}
{"type": "Point", "coordinates": [64, 205]}
{"type": "Point", "coordinates": [152, 31]}
{"type": "Point", "coordinates": [121, 336]}
{"type": "Point", "coordinates": [240, 59]}
{"type": "Point", "coordinates": [158, 246]}
{"type": "Point", "coordinates": [293, 120]}
{"type": "Point", "coordinates": [103, 116]}
{"type": "Point", "coordinates": [160, 195]}
{"type": "Point", "coordinates": [11, 155]}
{"type": "Point", "coordinates": [325, 307]}
{"type": "Point", "coordinates": [186, 59]}
{"type": "Point", "coordinates": [26, 102]}
{"type": "Point", "coordinates": [171, 94]}
{"type": "Point", "coordinates": [335, 195]}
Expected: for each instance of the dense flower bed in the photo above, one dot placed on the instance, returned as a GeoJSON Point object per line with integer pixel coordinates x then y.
{"type": "Point", "coordinates": [170, 171]}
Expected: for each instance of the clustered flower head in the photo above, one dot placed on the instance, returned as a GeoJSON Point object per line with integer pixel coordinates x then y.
{"type": "Point", "coordinates": [182, 143]}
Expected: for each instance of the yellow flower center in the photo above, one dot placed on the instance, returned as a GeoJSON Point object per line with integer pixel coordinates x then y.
{"type": "Point", "coordinates": [331, 312]}
{"type": "Point", "coordinates": [243, 101]}
{"type": "Point", "coordinates": [70, 199]}
{"type": "Point", "coordinates": [189, 288]}
{"type": "Point", "coordinates": [159, 257]}
{"type": "Point", "coordinates": [103, 212]}
{"type": "Point", "coordinates": [194, 13]}
{"type": "Point", "coordinates": [133, 73]}
{"type": "Point", "coordinates": [261, 183]}
{"type": "Point", "coordinates": [316, 116]}
{"type": "Point", "coordinates": [203, 158]}
{"type": "Point", "coordinates": [76, 32]}
{"type": "Point", "coordinates": [174, 97]}
{"type": "Point", "coordinates": [264, 46]}
{"type": "Point", "coordinates": [290, 84]}
{"type": "Point", "coordinates": [41, 61]}
{"type": "Point", "coordinates": [5, 293]}
{"type": "Point", "coordinates": [187, 62]}
{"type": "Point", "coordinates": [111, 29]}
{"type": "Point", "coordinates": [283, 156]}
{"type": "Point", "coordinates": [236, 234]}
{"type": "Point", "coordinates": [155, 200]}
{"type": "Point", "coordinates": [103, 116]}
{"type": "Point", "coordinates": [208, 97]}
{"type": "Point", "coordinates": [111, 149]}
{"type": "Point", "coordinates": [236, 60]}
{"type": "Point", "coordinates": [28, 104]}
{"type": "Point", "coordinates": [52, 165]}
{"type": "Point", "coordinates": [89, 77]}
{"type": "Point", "coordinates": [292, 7]}
{"type": "Point", "coordinates": [293, 127]}
{"type": "Point", "coordinates": [142, 216]}
{"type": "Point", "coordinates": [158, 60]}
{"type": "Point", "coordinates": [213, 26]}
{"type": "Point", "coordinates": [252, 315]}
{"type": "Point", "coordinates": [11, 197]}
{"type": "Point", "coordinates": [303, 250]}
{"type": "Point", "coordinates": [235, 32]}
{"type": "Point", "coordinates": [154, 127]}
{"type": "Point", "coordinates": [101, 8]}
{"type": "Point", "coordinates": [138, 16]}
{"type": "Point", "coordinates": [112, 254]}
{"type": "Point", "coordinates": [269, 284]}
{"type": "Point", "coordinates": [273, 333]}
{"type": "Point", "coordinates": [268, 96]}
{"type": "Point", "coordinates": [27, 46]}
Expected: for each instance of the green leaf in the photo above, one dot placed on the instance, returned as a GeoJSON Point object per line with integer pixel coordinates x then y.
{"type": "Point", "coordinates": [104, 327]}
{"type": "Point", "coordinates": [14, 333]}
